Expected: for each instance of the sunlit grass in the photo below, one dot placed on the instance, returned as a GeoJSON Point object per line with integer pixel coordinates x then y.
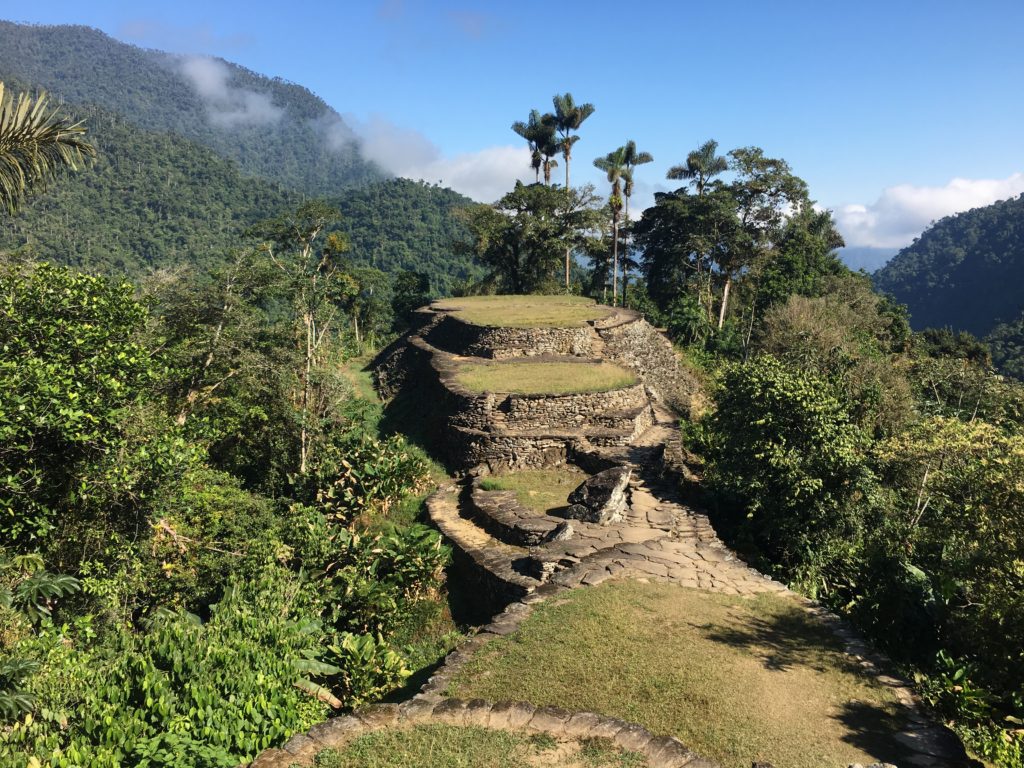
{"type": "Point", "coordinates": [525, 311]}
{"type": "Point", "coordinates": [542, 490]}
{"type": "Point", "coordinates": [544, 378]}
{"type": "Point", "coordinates": [448, 746]}
{"type": "Point", "coordinates": [736, 679]}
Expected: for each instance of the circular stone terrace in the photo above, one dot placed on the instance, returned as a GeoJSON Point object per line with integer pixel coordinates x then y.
{"type": "Point", "coordinates": [525, 311]}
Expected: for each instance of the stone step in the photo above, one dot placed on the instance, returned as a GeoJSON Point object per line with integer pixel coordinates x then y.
{"type": "Point", "coordinates": [501, 515]}
{"type": "Point", "coordinates": [486, 563]}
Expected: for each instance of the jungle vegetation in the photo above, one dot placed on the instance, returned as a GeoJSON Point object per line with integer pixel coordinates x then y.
{"type": "Point", "coordinates": [198, 513]}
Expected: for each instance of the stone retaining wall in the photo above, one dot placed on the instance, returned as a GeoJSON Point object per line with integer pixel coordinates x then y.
{"type": "Point", "coordinates": [455, 335]}
{"type": "Point", "coordinates": [514, 716]}
{"type": "Point", "coordinates": [639, 346]}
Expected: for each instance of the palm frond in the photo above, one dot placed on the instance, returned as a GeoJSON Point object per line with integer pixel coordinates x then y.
{"type": "Point", "coordinates": [35, 144]}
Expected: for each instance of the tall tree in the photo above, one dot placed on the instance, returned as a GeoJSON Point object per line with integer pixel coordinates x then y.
{"type": "Point", "coordinates": [319, 287]}
{"type": "Point", "coordinates": [534, 130]}
{"type": "Point", "coordinates": [35, 144]}
{"type": "Point", "coordinates": [614, 164]}
{"type": "Point", "coordinates": [701, 166]}
{"type": "Point", "coordinates": [632, 159]}
{"type": "Point", "coordinates": [568, 118]}
{"type": "Point", "coordinates": [521, 237]}
{"type": "Point", "coordinates": [767, 195]}
{"type": "Point", "coordinates": [549, 147]}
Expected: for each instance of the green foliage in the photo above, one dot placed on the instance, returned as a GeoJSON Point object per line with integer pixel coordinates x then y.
{"type": "Point", "coordinates": [783, 447]}
{"type": "Point", "coordinates": [522, 238]}
{"type": "Point", "coordinates": [302, 143]}
{"type": "Point", "coordinates": [368, 667]}
{"type": "Point", "coordinates": [70, 360]}
{"type": "Point", "coordinates": [183, 693]}
{"type": "Point", "coordinates": [35, 145]}
{"type": "Point", "coordinates": [963, 271]}
{"type": "Point", "coordinates": [370, 474]}
{"type": "Point", "coordinates": [372, 580]}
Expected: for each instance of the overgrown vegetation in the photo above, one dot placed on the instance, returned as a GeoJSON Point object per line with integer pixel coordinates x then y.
{"type": "Point", "coordinates": [198, 560]}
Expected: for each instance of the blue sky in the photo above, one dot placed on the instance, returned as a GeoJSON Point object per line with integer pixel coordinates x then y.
{"type": "Point", "coordinates": [895, 112]}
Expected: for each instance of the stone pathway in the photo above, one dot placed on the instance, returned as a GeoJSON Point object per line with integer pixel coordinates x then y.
{"type": "Point", "coordinates": [515, 558]}
{"type": "Point", "coordinates": [513, 550]}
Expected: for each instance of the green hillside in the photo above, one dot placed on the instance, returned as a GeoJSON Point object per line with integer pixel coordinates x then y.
{"type": "Point", "coordinates": [964, 272]}
{"type": "Point", "coordinates": [155, 199]}
{"type": "Point", "coordinates": [272, 128]}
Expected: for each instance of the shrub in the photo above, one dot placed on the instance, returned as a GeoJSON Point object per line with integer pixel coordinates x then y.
{"type": "Point", "coordinates": [785, 461]}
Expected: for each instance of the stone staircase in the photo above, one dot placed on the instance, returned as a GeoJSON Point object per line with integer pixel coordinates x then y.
{"type": "Point", "coordinates": [509, 550]}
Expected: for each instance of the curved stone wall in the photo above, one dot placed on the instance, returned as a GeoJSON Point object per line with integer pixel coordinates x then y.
{"type": "Point", "coordinates": [455, 335]}
{"type": "Point", "coordinates": [636, 344]}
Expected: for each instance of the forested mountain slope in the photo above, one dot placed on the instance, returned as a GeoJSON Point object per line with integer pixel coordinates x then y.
{"type": "Point", "coordinates": [965, 271]}
{"type": "Point", "coordinates": [273, 129]}
{"type": "Point", "coordinates": [170, 186]}
{"type": "Point", "coordinates": [155, 199]}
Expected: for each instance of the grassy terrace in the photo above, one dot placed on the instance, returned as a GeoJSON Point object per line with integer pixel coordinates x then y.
{"type": "Point", "coordinates": [543, 378]}
{"type": "Point", "coordinates": [542, 490]}
{"type": "Point", "coordinates": [736, 679]}
{"type": "Point", "coordinates": [443, 746]}
{"type": "Point", "coordinates": [525, 311]}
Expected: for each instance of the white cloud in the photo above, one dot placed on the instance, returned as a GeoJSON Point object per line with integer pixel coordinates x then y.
{"type": "Point", "coordinates": [227, 105]}
{"type": "Point", "coordinates": [484, 175]}
{"type": "Point", "coordinates": [902, 212]}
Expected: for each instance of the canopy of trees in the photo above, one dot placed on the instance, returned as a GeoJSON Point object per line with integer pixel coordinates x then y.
{"type": "Point", "coordinates": [294, 139]}
{"type": "Point", "coordinates": [964, 272]}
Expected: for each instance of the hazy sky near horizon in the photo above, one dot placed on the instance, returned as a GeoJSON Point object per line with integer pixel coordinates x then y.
{"type": "Point", "coordinates": [896, 113]}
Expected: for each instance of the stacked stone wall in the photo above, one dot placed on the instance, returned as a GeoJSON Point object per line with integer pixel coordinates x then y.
{"type": "Point", "coordinates": [459, 337]}
{"type": "Point", "coordinates": [639, 346]}
{"type": "Point", "coordinates": [573, 410]}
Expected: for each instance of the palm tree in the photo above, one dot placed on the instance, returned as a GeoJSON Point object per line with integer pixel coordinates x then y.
{"type": "Point", "coordinates": [613, 164]}
{"type": "Point", "coordinates": [631, 158]}
{"type": "Point", "coordinates": [568, 117]}
{"type": "Point", "coordinates": [533, 130]}
{"type": "Point", "coordinates": [701, 166]}
{"type": "Point", "coordinates": [549, 148]}
{"type": "Point", "coordinates": [35, 144]}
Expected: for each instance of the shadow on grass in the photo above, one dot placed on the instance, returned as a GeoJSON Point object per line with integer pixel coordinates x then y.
{"type": "Point", "coordinates": [791, 639]}
{"type": "Point", "coordinates": [872, 728]}
{"type": "Point", "coordinates": [786, 640]}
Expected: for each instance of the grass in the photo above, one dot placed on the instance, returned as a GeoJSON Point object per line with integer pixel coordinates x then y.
{"type": "Point", "coordinates": [736, 679]}
{"type": "Point", "coordinates": [542, 490]}
{"type": "Point", "coordinates": [446, 746]}
{"type": "Point", "coordinates": [525, 311]}
{"type": "Point", "coordinates": [543, 378]}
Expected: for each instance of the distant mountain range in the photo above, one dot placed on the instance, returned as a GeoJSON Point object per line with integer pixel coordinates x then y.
{"type": "Point", "coordinates": [194, 150]}
{"type": "Point", "coordinates": [865, 257]}
{"type": "Point", "coordinates": [271, 128]}
{"type": "Point", "coordinates": [966, 271]}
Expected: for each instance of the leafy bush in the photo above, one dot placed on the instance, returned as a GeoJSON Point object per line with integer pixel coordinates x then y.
{"type": "Point", "coordinates": [371, 473]}
{"type": "Point", "coordinates": [786, 461]}
{"type": "Point", "coordinates": [69, 360]}
{"type": "Point", "coordinates": [184, 692]}
{"type": "Point", "coordinates": [375, 579]}
{"type": "Point", "coordinates": [369, 668]}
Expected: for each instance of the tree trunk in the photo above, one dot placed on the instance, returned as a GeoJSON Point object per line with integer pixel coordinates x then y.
{"type": "Point", "coordinates": [725, 302]}
{"type": "Point", "coordinates": [568, 249]}
{"type": "Point", "coordinates": [304, 432]}
{"type": "Point", "coordinates": [625, 255]}
{"type": "Point", "coordinates": [615, 261]}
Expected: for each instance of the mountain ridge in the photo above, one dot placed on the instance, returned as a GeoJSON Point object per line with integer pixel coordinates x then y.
{"type": "Point", "coordinates": [271, 127]}
{"type": "Point", "coordinates": [964, 271]}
